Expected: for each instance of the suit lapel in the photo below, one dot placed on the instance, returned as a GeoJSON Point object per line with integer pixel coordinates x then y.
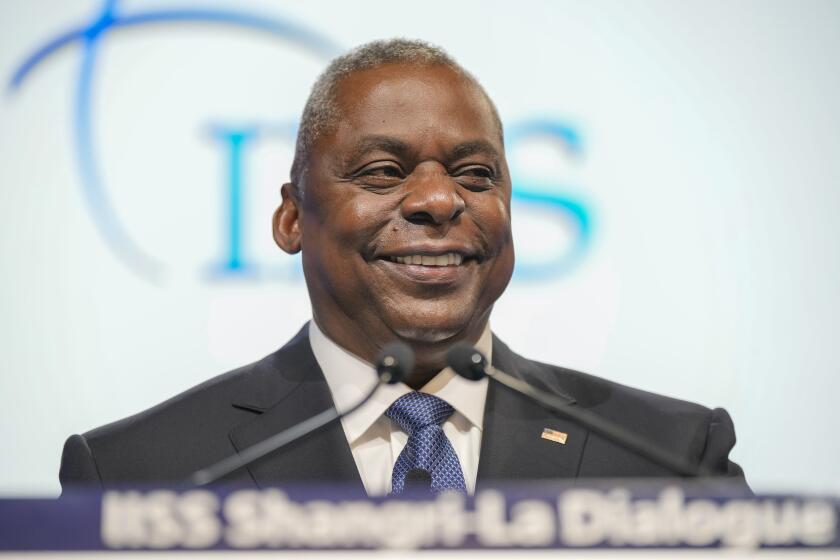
{"type": "Point", "coordinates": [286, 389]}
{"type": "Point", "coordinates": [512, 447]}
{"type": "Point", "coordinates": [289, 387]}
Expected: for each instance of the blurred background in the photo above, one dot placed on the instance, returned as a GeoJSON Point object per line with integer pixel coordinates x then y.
{"type": "Point", "coordinates": [676, 179]}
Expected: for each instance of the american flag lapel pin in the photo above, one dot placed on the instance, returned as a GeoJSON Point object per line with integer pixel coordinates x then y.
{"type": "Point", "coordinates": [554, 435]}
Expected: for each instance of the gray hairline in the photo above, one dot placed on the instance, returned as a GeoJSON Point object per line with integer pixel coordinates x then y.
{"type": "Point", "coordinates": [321, 112]}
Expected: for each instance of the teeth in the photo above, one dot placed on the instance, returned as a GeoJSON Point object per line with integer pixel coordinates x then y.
{"type": "Point", "coordinates": [449, 259]}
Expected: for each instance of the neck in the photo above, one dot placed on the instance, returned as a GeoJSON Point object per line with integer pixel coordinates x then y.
{"type": "Point", "coordinates": [430, 357]}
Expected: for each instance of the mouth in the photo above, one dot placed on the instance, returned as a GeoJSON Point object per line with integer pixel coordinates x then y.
{"type": "Point", "coordinates": [441, 268]}
{"type": "Point", "coordinates": [447, 259]}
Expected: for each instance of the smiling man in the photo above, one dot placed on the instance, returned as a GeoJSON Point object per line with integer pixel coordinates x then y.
{"type": "Point", "coordinates": [399, 202]}
{"type": "Point", "coordinates": [401, 206]}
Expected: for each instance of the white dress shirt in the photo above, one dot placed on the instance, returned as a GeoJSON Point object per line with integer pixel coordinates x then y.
{"type": "Point", "coordinates": [374, 439]}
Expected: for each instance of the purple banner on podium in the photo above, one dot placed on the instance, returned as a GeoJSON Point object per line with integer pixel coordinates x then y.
{"type": "Point", "coordinates": [515, 516]}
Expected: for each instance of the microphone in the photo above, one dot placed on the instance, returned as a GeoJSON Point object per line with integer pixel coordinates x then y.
{"type": "Point", "coordinates": [394, 363]}
{"type": "Point", "coordinates": [471, 364]}
{"type": "Point", "coordinates": [419, 481]}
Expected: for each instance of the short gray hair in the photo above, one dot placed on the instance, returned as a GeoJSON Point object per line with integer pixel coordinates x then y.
{"type": "Point", "coordinates": [321, 112]}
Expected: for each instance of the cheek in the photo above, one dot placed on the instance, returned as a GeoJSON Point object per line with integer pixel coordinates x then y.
{"type": "Point", "coordinates": [492, 218]}
{"type": "Point", "coordinates": [344, 225]}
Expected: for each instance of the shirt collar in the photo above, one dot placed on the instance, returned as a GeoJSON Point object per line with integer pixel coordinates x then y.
{"type": "Point", "coordinates": [350, 378]}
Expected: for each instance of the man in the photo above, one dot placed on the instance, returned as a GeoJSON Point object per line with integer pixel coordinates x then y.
{"type": "Point", "coordinates": [399, 201]}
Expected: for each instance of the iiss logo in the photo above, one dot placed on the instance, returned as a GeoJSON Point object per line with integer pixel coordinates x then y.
{"type": "Point", "coordinates": [567, 210]}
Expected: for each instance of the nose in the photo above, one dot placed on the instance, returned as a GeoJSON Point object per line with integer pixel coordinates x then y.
{"type": "Point", "coordinates": [432, 197]}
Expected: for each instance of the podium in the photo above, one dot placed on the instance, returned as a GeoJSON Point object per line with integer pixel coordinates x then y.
{"type": "Point", "coordinates": [612, 519]}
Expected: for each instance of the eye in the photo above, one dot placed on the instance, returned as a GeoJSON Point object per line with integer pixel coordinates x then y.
{"type": "Point", "coordinates": [385, 171]}
{"type": "Point", "coordinates": [477, 177]}
{"type": "Point", "coordinates": [380, 174]}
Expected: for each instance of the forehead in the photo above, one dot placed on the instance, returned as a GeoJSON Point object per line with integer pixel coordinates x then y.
{"type": "Point", "coordinates": [414, 102]}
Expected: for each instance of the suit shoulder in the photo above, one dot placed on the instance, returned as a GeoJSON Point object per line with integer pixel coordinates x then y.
{"type": "Point", "coordinates": [662, 418]}
{"type": "Point", "coordinates": [596, 392]}
{"type": "Point", "coordinates": [684, 428]}
{"type": "Point", "coordinates": [602, 395]}
{"type": "Point", "coordinates": [208, 398]}
{"type": "Point", "coordinates": [591, 390]}
{"type": "Point", "coordinates": [178, 436]}
{"type": "Point", "coordinates": [192, 429]}
{"type": "Point", "coordinates": [681, 426]}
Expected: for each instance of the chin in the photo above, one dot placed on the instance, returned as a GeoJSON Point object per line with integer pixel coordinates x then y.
{"type": "Point", "coordinates": [430, 331]}
{"type": "Point", "coordinates": [428, 335]}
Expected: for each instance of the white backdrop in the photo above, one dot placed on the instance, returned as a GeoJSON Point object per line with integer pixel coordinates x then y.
{"type": "Point", "coordinates": [698, 141]}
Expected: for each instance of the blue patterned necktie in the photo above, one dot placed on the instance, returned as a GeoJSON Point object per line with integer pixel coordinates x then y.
{"type": "Point", "coordinates": [420, 416]}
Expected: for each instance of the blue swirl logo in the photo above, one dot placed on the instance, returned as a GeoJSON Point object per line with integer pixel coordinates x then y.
{"type": "Point", "coordinates": [572, 211]}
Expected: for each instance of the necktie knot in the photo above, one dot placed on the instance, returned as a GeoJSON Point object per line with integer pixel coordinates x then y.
{"type": "Point", "coordinates": [415, 411]}
{"type": "Point", "coordinates": [420, 415]}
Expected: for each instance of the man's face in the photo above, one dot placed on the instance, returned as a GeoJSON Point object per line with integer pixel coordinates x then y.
{"type": "Point", "coordinates": [405, 219]}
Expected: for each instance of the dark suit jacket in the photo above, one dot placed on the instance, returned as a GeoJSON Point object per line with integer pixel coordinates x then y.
{"type": "Point", "coordinates": [233, 411]}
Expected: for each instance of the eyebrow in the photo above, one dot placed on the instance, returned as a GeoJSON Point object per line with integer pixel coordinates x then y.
{"type": "Point", "coordinates": [401, 149]}
{"type": "Point", "coordinates": [471, 148]}
{"type": "Point", "coordinates": [374, 143]}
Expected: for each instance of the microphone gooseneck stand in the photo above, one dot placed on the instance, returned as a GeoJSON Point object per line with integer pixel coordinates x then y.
{"type": "Point", "coordinates": [394, 363]}
{"type": "Point", "coordinates": [471, 364]}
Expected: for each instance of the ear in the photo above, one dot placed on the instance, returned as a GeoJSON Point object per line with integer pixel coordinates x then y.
{"type": "Point", "coordinates": [286, 222]}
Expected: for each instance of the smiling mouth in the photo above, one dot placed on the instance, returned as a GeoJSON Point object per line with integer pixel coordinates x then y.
{"type": "Point", "coordinates": [447, 259]}
{"type": "Point", "coordinates": [442, 269]}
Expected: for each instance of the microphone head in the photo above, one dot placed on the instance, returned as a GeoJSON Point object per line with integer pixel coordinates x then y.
{"type": "Point", "coordinates": [395, 363]}
{"type": "Point", "coordinates": [467, 361]}
{"type": "Point", "coordinates": [418, 480]}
